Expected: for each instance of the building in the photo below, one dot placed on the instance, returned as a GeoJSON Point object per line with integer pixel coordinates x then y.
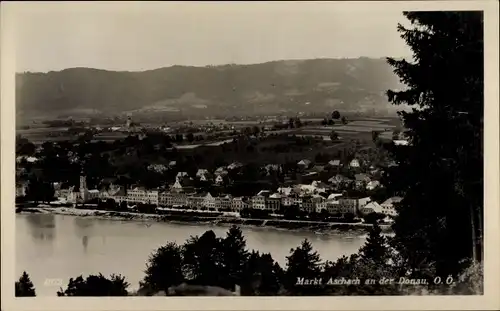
{"type": "Point", "coordinates": [339, 181]}
{"type": "Point", "coordinates": [372, 207]}
{"type": "Point", "coordinates": [201, 172]}
{"type": "Point", "coordinates": [173, 199]}
{"type": "Point", "coordinates": [234, 165]}
{"type": "Point", "coordinates": [159, 168]}
{"type": "Point", "coordinates": [220, 180]}
{"type": "Point", "coordinates": [372, 185]}
{"type": "Point", "coordinates": [268, 169]}
{"type": "Point", "coordinates": [273, 202]}
{"type": "Point", "coordinates": [220, 171]}
{"type": "Point", "coordinates": [352, 205]}
{"type": "Point", "coordinates": [388, 207]}
{"type": "Point", "coordinates": [333, 207]}
{"type": "Point", "coordinates": [304, 164]}
{"type": "Point", "coordinates": [334, 164]}
{"type": "Point", "coordinates": [224, 203]}
{"type": "Point", "coordinates": [307, 204]}
{"type": "Point", "coordinates": [354, 163]}
{"type": "Point", "coordinates": [239, 203]}
{"type": "Point", "coordinates": [286, 191]}
{"type": "Point", "coordinates": [318, 169]}
{"type": "Point", "coordinates": [21, 189]}
{"type": "Point", "coordinates": [206, 177]}
{"type": "Point", "coordinates": [319, 203]}
{"type": "Point", "coordinates": [86, 194]}
{"type": "Point", "coordinates": [259, 200]}
{"type": "Point", "coordinates": [361, 180]}
{"type": "Point", "coordinates": [181, 175]}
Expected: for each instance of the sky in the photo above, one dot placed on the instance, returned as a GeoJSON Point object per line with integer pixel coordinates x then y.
{"type": "Point", "coordinates": [142, 36]}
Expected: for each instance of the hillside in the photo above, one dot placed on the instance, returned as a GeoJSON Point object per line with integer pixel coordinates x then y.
{"type": "Point", "coordinates": [274, 87]}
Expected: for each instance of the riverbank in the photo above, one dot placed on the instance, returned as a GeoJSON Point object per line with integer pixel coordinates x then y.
{"type": "Point", "coordinates": [278, 224]}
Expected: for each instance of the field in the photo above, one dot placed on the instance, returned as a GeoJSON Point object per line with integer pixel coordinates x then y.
{"type": "Point", "coordinates": [360, 129]}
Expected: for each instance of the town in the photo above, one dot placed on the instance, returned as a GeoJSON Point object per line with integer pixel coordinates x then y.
{"type": "Point", "coordinates": [345, 186]}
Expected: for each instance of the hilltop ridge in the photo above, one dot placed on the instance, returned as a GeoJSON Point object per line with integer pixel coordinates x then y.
{"type": "Point", "coordinates": [273, 87]}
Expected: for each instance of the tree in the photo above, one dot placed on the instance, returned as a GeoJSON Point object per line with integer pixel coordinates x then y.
{"type": "Point", "coordinates": [24, 147]}
{"type": "Point", "coordinates": [375, 248]}
{"type": "Point", "coordinates": [24, 287]}
{"type": "Point", "coordinates": [335, 115]}
{"type": "Point", "coordinates": [441, 180]}
{"type": "Point", "coordinates": [395, 134]}
{"type": "Point", "coordinates": [203, 260]}
{"type": "Point", "coordinates": [344, 120]}
{"type": "Point", "coordinates": [255, 130]}
{"type": "Point", "coordinates": [331, 122]}
{"type": "Point", "coordinates": [163, 269]}
{"type": "Point", "coordinates": [334, 136]}
{"type": "Point", "coordinates": [190, 137]}
{"type": "Point", "coordinates": [375, 135]}
{"type": "Point", "coordinates": [96, 285]}
{"type": "Point", "coordinates": [324, 122]}
{"type": "Point", "coordinates": [235, 256]}
{"type": "Point", "coordinates": [303, 262]}
{"type": "Point", "coordinates": [262, 275]}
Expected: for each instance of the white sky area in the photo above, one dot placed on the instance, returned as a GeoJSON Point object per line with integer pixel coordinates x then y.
{"type": "Point", "coordinates": [141, 36]}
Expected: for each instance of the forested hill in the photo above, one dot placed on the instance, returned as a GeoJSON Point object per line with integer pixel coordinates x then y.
{"type": "Point", "coordinates": [279, 86]}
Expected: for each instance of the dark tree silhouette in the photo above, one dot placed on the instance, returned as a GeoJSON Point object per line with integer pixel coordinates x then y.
{"type": "Point", "coordinates": [96, 285]}
{"type": "Point", "coordinates": [335, 115]}
{"type": "Point", "coordinates": [303, 262]}
{"type": "Point", "coordinates": [163, 269]}
{"type": "Point", "coordinates": [235, 256]}
{"type": "Point", "coordinates": [375, 248]}
{"type": "Point", "coordinates": [262, 276]}
{"type": "Point", "coordinates": [334, 136]}
{"type": "Point", "coordinates": [24, 287]}
{"type": "Point", "coordinates": [203, 260]}
{"type": "Point", "coordinates": [441, 179]}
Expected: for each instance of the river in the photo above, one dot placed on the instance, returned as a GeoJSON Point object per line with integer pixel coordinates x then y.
{"type": "Point", "coordinates": [59, 246]}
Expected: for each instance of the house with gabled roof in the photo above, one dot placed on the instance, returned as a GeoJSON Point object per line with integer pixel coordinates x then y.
{"type": "Point", "coordinates": [355, 163]}
{"type": "Point", "coordinates": [234, 165]}
{"type": "Point", "coordinates": [304, 164]}
{"type": "Point", "coordinates": [371, 207]}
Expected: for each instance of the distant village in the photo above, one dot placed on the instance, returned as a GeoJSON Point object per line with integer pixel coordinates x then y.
{"type": "Point", "coordinates": [308, 194]}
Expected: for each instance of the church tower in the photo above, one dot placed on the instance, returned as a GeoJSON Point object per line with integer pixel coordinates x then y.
{"type": "Point", "coordinates": [83, 187]}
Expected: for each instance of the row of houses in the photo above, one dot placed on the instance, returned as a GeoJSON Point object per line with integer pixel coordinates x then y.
{"type": "Point", "coordinates": [308, 198]}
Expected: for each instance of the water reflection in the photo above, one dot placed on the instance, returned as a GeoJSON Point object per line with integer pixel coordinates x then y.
{"type": "Point", "coordinates": [83, 226]}
{"type": "Point", "coordinates": [85, 243]}
{"type": "Point", "coordinates": [42, 227]}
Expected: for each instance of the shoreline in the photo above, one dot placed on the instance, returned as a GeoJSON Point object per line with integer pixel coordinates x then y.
{"type": "Point", "coordinates": [319, 228]}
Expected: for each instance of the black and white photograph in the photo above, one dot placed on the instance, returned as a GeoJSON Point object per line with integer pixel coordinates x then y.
{"type": "Point", "coordinates": [266, 149]}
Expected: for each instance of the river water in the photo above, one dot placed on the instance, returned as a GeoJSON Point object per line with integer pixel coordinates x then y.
{"type": "Point", "coordinates": [59, 247]}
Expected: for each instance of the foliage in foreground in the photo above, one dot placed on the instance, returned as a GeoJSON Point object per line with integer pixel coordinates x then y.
{"type": "Point", "coordinates": [24, 287]}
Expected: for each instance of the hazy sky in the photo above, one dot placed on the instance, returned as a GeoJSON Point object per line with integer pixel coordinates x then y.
{"type": "Point", "coordinates": [140, 36]}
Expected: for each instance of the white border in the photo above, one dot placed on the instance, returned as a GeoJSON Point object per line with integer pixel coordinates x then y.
{"type": "Point", "coordinates": [490, 299]}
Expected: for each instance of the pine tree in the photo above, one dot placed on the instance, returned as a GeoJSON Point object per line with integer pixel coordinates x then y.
{"type": "Point", "coordinates": [375, 248]}
{"type": "Point", "coordinates": [303, 262]}
{"type": "Point", "coordinates": [235, 256]}
{"type": "Point", "coordinates": [440, 174]}
{"type": "Point", "coordinates": [24, 287]}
